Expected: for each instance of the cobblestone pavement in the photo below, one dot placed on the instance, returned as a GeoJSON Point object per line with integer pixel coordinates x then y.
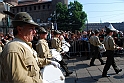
{"type": "Point", "coordinates": [83, 73]}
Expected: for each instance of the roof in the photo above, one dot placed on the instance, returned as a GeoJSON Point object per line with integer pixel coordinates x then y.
{"type": "Point", "coordinates": [33, 3]}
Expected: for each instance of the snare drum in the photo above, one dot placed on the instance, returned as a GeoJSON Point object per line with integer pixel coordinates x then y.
{"type": "Point", "coordinates": [65, 46]}
{"type": "Point", "coordinates": [56, 55]}
{"type": "Point", "coordinates": [52, 74]}
{"type": "Point", "coordinates": [102, 48]}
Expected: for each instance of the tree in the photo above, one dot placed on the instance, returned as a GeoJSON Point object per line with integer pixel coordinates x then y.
{"type": "Point", "coordinates": [62, 16]}
{"type": "Point", "coordinates": [77, 16]}
{"type": "Point", "coordinates": [71, 18]}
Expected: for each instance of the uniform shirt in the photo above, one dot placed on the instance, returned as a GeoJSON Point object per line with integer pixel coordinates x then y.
{"type": "Point", "coordinates": [91, 40]}
{"type": "Point", "coordinates": [109, 43]}
{"type": "Point", "coordinates": [96, 41]}
{"type": "Point", "coordinates": [56, 44]}
{"type": "Point", "coordinates": [19, 64]}
{"type": "Point", "coordinates": [43, 49]}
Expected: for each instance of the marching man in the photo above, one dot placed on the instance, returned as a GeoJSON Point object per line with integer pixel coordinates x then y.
{"type": "Point", "coordinates": [110, 47]}
{"type": "Point", "coordinates": [57, 44]}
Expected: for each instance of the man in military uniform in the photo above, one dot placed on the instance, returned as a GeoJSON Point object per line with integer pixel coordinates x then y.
{"type": "Point", "coordinates": [42, 47]}
{"type": "Point", "coordinates": [19, 62]}
{"type": "Point", "coordinates": [96, 43]}
{"type": "Point", "coordinates": [57, 44]}
{"type": "Point", "coordinates": [110, 48]}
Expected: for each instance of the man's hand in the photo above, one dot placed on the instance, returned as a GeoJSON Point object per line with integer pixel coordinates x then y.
{"type": "Point", "coordinates": [120, 48]}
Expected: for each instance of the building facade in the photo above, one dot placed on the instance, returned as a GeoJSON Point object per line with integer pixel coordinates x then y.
{"type": "Point", "coordinates": [13, 2]}
{"type": "Point", "coordinates": [40, 10]}
{"type": "Point", "coordinates": [93, 26]}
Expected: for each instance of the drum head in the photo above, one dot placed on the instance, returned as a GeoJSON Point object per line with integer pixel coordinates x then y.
{"type": "Point", "coordinates": [56, 54]}
{"type": "Point", "coordinates": [65, 48]}
{"type": "Point", "coordinates": [68, 44]}
{"type": "Point", "coordinates": [53, 75]}
{"type": "Point", "coordinates": [102, 48]}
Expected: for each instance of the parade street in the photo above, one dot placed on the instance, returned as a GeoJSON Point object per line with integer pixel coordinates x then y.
{"type": "Point", "coordinates": [83, 73]}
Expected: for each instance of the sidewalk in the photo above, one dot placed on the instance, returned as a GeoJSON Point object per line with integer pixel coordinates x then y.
{"type": "Point", "coordinates": [83, 73]}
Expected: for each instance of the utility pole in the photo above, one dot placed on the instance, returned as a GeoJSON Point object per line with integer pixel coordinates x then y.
{"type": "Point", "coordinates": [7, 8]}
{"type": "Point", "coordinates": [55, 23]}
{"type": "Point", "coordinates": [7, 19]}
{"type": "Point", "coordinates": [87, 24]}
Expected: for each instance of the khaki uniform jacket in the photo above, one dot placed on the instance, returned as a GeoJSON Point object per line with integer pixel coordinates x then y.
{"type": "Point", "coordinates": [42, 49]}
{"type": "Point", "coordinates": [109, 43]}
{"type": "Point", "coordinates": [19, 65]}
{"type": "Point", "coordinates": [96, 41]}
{"type": "Point", "coordinates": [56, 44]}
{"type": "Point", "coordinates": [1, 46]}
{"type": "Point", "coordinates": [91, 40]}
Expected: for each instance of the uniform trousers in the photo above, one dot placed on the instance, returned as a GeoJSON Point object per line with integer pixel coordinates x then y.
{"type": "Point", "coordinates": [96, 55]}
{"type": "Point", "coordinates": [91, 51]}
{"type": "Point", "coordinates": [62, 64]}
{"type": "Point", "coordinates": [110, 61]}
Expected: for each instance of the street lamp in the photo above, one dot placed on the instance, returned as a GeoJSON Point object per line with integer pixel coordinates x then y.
{"type": "Point", "coordinates": [87, 24]}
{"type": "Point", "coordinates": [4, 6]}
{"type": "Point", "coordinates": [7, 17]}
{"type": "Point", "coordinates": [55, 23]}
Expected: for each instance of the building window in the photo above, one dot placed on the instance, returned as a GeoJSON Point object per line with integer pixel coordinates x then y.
{"type": "Point", "coordinates": [48, 6]}
{"type": "Point", "coordinates": [13, 10]}
{"type": "Point", "coordinates": [38, 7]}
{"type": "Point", "coordinates": [34, 7]}
{"type": "Point", "coordinates": [43, 6]}
{"type": "Point", "coordinates": [30, 8]}
{"type": "Point", "coordinates": [17, 10]}
{"type": "Point", "coordinates": [21, 9]}
{"type": "Point", "coordinates": [25, 9]}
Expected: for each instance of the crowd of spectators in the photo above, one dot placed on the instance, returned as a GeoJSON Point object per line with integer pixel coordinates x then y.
{"type": "Point", "coordinates": [79, 40]}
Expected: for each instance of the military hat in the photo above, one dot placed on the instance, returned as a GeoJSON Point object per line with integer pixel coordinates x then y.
{"type": "Point", "coordinates": [56, 32]}
{"type": "Point", "coordinates": [23, 18]}
{"type": "Point", "coordinates": [110, 28]}
{"type": "Point", "coordinates": [96, 31]}
{"type": "Point", "coordinates": [41, 30]}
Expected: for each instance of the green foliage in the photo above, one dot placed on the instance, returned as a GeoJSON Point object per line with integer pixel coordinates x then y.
{"type": "Point", "coordinates": [71, 18]}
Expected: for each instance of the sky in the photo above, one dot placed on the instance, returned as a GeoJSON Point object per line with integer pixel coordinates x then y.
{"type": "Point", "coordinates": [101, 11]}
